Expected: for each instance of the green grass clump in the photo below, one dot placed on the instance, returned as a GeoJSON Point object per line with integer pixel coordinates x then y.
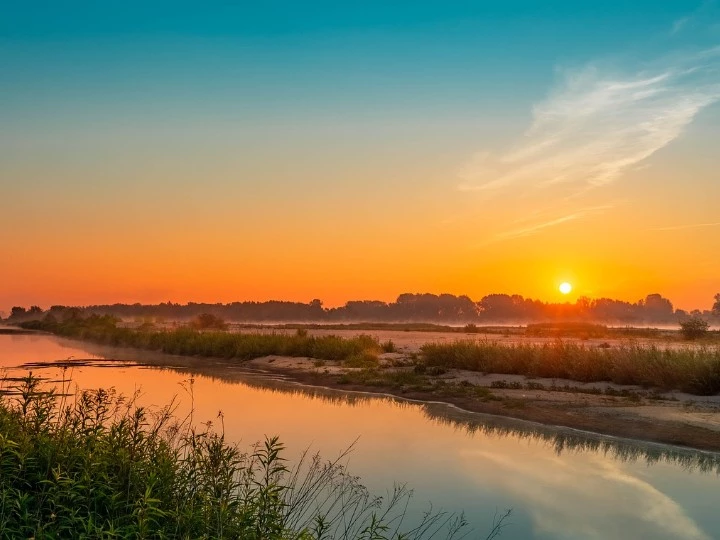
{"type": "Point", "coordinates": [364, 359]}
{"type": "Point", "coordinates": [96, 466]}
{"type": "Point", "coordinates": [692, 370]}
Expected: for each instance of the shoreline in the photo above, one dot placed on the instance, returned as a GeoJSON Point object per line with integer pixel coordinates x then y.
{"type": "Point", "coordinates": [688, 421]}
{"type": "Point", "coordinates": [564, 437]}
{"type": "Point", "coordinates": [592, 420]}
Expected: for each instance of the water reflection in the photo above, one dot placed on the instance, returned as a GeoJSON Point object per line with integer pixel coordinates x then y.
{"type": "Point", "coordinates": [561, 483]}
{"type": "Point", "coordinates": [558, 438]}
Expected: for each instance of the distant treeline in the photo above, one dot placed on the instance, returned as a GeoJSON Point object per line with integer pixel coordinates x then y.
{"type": "Point", "coordinates": [428, 308]}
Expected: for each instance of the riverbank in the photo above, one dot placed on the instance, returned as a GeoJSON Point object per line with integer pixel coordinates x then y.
{"type": "Point", "coordinates": [92, 463]}
{"type": "Point", "coordinates": [615, 410]}
{"type": "Point", "coordinates": [623, 389]}
{"type": "Point", "coordinates": [459, 460]}
{"type": "Point", "coordinates": [629, 412]}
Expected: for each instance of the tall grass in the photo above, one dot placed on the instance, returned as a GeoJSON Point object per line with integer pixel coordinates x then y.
{"type": "Point", "coordinates": [98, 466]}
{"type": "Point", "coordinates": [693, 370]}
{"type": "Point", "coordinates": [188, 341]}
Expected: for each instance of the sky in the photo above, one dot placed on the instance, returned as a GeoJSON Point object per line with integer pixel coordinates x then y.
{"type": "Point", "coordinates": [223, 151]}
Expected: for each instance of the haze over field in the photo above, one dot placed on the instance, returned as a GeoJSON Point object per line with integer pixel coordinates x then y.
{"type": "Point", "coordinates": [321, 150]}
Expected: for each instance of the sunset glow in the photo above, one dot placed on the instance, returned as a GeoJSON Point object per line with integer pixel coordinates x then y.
{"type": "Point", "coordinates": [244, 156]}
{"type": "Point", "coordinates": [565, 288]}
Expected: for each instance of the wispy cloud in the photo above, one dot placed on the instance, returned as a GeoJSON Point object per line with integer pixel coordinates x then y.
{"type": "Point", "coordinates": [537, 227]}
{"type": "Point", "coordinates": [679, 24]}
{"type": "Point", "coordinates": [690, 20]}
{"type": "Point", "coordinates": [689, 226]}
{"type": "Point", "coordinates": [593, 496]}
{"type": "Point", "coordinates": [598, 125]}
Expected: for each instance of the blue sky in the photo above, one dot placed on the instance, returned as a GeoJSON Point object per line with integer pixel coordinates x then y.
{"type": "Point", "coordinates": [328, 49]}
{"type": "Point", "coordinates": [304, 62]}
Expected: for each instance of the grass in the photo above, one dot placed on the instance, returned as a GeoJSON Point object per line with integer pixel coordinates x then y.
{"type": "Point", "coordinates": [218, 344]}
{"type": "Point", "coordinates": [372, 376]}
{"type": "Point", "coordinates": [410, 380]}
{"type": "Point", "coordinates": [398, 327]}
{"type": "Point", "coordinates": [692, 370]}
{"type": "Point", "coordinates": [95, 465]}
{"type": "Point", "coordinates": [627, 393]}
{"type": "Point", "coordinates": [567, 329]}
{"type": "Point", "coordinates": [364, 359]}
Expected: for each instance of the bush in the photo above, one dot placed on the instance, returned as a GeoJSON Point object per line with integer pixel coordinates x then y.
{"type": "Point", "coordinates": [363, 359]}
{"type": "Point", "coordinates": [208, 321]}
{"type": "Point", "coordinates": [694, 328]}
{"type": "Point", "coordinates": [103, 468]}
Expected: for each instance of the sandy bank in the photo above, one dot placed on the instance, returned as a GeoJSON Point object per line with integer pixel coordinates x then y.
{"type": "Point", "coordinates": [625, 411]}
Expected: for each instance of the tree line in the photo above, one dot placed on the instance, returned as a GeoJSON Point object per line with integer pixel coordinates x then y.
{"type": "Point", "coordinates": [432, 308]}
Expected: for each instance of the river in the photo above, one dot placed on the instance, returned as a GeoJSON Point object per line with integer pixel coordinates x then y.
{"type": "Point", "coordinates": [559, 483]}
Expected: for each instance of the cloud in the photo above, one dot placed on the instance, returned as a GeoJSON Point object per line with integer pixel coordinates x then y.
{"type": "Point", "coordinates": [689, 226]}
{"type": "Point", "coordinates": [598, 125]}
{"type": "Point", "coordinates": [583, 496]}
{"type": "Point", "coordinates": [703, 11]}
{"type": "Point", "coordinates": [679, 24]}
{"type": "Point", "coordinates": [537, 227]}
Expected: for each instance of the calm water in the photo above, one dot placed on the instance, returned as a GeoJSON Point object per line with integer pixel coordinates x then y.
{"type": "Point", "coordinates": [559, 484]}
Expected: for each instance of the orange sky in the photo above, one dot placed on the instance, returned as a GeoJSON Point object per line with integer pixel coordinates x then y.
{"type": "Point", "coordinates": [224, 242]}
{"type": "Point", "coordinates": [361, 163]}
{"type": "Point", "coordinates": [119, 251]}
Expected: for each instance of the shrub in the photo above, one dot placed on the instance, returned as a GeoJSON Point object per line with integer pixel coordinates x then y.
{"type": "Point", "coordinates": [362, 359]}
{"type": "Point", "coordinates": [694, 328]}
{"type": "Point", "coordinates": [102, 468]}
{"type": "Point", "coordinates": [208, 321]}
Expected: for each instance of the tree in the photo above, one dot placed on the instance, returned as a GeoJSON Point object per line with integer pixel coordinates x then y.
{"type": "Point", "coordinates": [17, 311]}
{"type": "Point", "coordinates": [656, 307]}
{"type": "Point", "coordinates": [208, 321]}
{"type": "Point", "coordinates": [72, 314]}
{"type": "Point", "coordinates": [694, 328]}
{"type": "Point", "coordinates": [716, 305]}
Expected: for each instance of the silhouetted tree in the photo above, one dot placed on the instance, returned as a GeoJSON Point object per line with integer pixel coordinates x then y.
{"type": "Point", "coordinates": [72, 314]}
{"type": "Point", "coordinates": [501, 307]}
{"type": "Point", "coordinates": [656, 308]}
{"type": "Point", "coordinates": [17, 312]}
{"type": "Point", "coordinates": [409, 307]}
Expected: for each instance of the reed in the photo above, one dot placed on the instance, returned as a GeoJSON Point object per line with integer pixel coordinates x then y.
{"type": "Point", "coordinates": [96, 465]}
{"type": "Point", "coordinates": [211, 343]}
{"type": "Point", "coordinates": [695, 370]}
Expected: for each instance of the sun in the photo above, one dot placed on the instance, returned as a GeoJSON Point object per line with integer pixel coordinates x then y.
{"type": "Point", "coordinates": [565, 288]}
